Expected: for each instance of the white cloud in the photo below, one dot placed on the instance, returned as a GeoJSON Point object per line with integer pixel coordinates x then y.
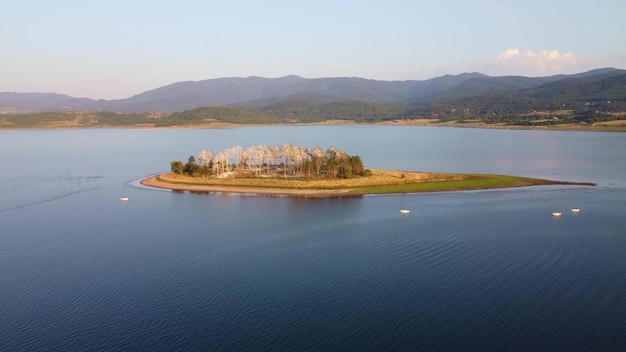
{"type": "Point", "coordinates": [508, 53]}
{"type": "Point", "coordinates": [514, 61]}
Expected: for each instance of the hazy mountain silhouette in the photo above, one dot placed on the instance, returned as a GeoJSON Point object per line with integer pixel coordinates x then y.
{"type": "Point", "coordinates": [259, 92]}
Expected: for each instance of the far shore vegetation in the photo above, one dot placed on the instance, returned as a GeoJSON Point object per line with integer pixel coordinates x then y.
{"type": "Point", "coordinates": [306, 171]}
{"type": "Point", "coordinates": [594, 115]}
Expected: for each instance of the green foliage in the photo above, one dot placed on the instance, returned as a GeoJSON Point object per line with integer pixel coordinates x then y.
{"type": "Point", "coordinates": [108, 118]}
{"type": "Point", "coordinates": [177, 167]}
{"type": "Point", "coordinates": [207, 115]}
{"type": "Point", "coordinates": [76, 119]}
{"type": "Point", "coordinates": [358, 111]}
{"type": "Point", "coordinates": [35, 120]}
{"type": "Point", "coordinates": [293, 111]}
{"type": "Point", "coordinates": [191, 167]}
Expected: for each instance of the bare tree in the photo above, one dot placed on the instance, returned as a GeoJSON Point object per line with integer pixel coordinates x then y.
{"type": "Point", "coordinates": [221, 163]}
{"type": "Point", "coordinates": [298, 155]}
{"type": "Point", "coordinates": [259, 151]}
{"type": "Point", "coordinates": [286, 151]}
{"type": "Point", "coordinates": [234, 154]}
{"type": "Point", "coordinates": [318, 156]}
{"type": "Point", "coordinates": [205, 157]}
{"type": "Point", "coordinates": [244, 158]}
{"type": "Point", "coordinates": [274, 152]}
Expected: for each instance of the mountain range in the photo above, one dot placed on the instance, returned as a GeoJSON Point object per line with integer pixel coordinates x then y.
{"type": "Point", "coordinates": [258, 92]}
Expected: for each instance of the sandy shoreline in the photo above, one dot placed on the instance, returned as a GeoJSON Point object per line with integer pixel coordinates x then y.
{"type": "Point", "coordinates": [155, 182]}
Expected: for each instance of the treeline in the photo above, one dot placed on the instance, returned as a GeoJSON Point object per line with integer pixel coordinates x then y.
{"type": "Point", "coordinates": [78, 119]}
{"type": "Point", "coordinates": [291, 111]}
{"type": "Point", "coordinates": [280, 113]}
{"type": "Point", "coordinates": [207, 115]}
{"type": "Point", "coordinates": [286, 161]}
{"type": "Point", "coordinates": [357, 111]}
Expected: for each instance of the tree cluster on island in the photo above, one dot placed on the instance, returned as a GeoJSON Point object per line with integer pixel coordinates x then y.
{"type": "Point", "coordinates": [262, 161]}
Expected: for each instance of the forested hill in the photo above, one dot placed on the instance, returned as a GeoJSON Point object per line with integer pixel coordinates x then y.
{"type": "Point", "coordinates": [293, 111]}
{"type": "Point", "coordinates": [258, 92]}
{"type": "Point", "coordinates": [585, 98]}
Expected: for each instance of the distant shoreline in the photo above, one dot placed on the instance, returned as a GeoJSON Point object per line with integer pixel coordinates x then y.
{"type": "Point", "coordinates": [608, 126]}
{"type": "Point", "coordinates": [383, 182]}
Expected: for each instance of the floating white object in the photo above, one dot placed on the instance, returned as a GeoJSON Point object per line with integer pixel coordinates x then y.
{"type": "Point", "coordinates": [405, 211]}
{"type": "Point", "coordinates": [556, 213]}
{"type": "Point", "coordinates": [575, 210]}
{"type": "Point", "coordinates": [124, 199]}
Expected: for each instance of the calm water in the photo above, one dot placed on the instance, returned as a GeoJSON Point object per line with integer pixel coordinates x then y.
{"type": "Point", "coordinates": [485, 270]}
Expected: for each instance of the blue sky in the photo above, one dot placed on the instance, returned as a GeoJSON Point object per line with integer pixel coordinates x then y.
{"type": "Point", "coordinates": [115, 49]}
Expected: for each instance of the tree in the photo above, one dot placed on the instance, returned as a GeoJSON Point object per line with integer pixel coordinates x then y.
{"type": "Point", "coordinates": [298, 155]}
{"type": "Point", "coordinates": [347, 171]}
{"type": "Point", "coordinates": [205, 157]}
{"type": "Point", "coordinates": [357, 165]}
{"type": "Point", "coordinates": [220, 163]}
{"type": "Point", "coordinates": [236, 152]}
{"type": "Point", "coordinates": [205, 164]}
{"type": "Point", "coordinates": [332, 163]}
{"type": "Point", "coordinates": [343, 162]}
{"type": "Point", "coordinates": [286, 151]}
{"type": "Point", "coordinates": [318, 157]}
{"type": "Point", "coordinates": [177, 167]}
{"type": "Point", "coordinates": [274, 156]}
{"type": "Point", "coordinates": [191, 167]}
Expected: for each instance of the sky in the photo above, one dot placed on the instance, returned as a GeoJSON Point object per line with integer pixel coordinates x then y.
{"type": "Point", "coordinates": [114, 49]}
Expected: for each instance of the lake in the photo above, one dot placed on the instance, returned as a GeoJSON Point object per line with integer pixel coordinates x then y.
{"type": "Point", "coordinates": [485, 270]}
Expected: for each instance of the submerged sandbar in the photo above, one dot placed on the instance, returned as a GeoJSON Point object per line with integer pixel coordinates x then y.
{"type": "Point", "coordinates": [381, 182]}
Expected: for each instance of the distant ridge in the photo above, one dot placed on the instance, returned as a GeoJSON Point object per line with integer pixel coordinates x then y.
{"type": "Point", "coordinates": [11, 102]}
{"type": "Point", "coordinates": [259, 92]}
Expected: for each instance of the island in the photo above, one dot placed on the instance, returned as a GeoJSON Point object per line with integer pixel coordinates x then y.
{"type": "Point", "coordinates": [312, 172]}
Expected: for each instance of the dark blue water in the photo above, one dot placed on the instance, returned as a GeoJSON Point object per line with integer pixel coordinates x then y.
{"type": "Point", "coordinates": [484, 270]}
